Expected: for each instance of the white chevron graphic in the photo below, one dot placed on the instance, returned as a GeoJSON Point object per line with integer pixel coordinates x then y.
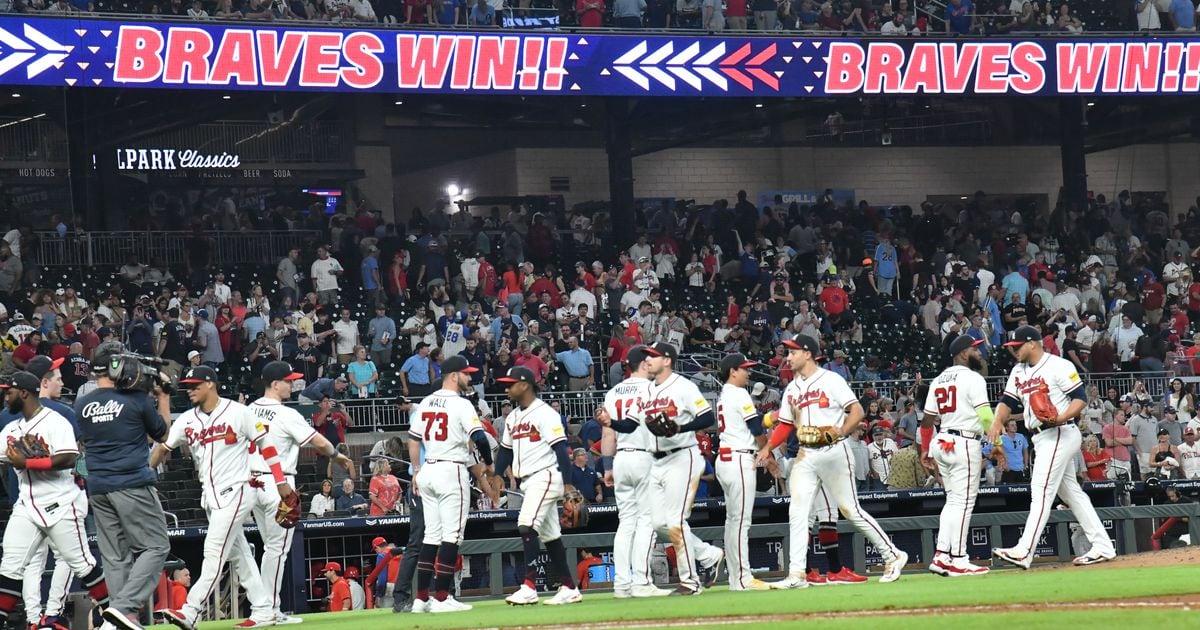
{"type": "Point", "coordinates": [52, 52]}
{"type": "Point", "coordinates": [641, 65]}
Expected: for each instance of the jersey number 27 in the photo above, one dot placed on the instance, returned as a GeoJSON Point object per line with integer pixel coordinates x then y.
{"type": "Point", "coordinates": [946, 398]}
{"type": "Point", "coordinates": [438, 418]}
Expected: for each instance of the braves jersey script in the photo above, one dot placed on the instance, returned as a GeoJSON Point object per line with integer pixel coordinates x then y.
{"type": "Point", "coordinates": [444, 422]}
{"type": "Point", "coordinates": [682, 401]}
{"type": "Point", "coordinates": [1190, 460]}
{"type": "Point", "coordinates": [288, 430]}
{"type": "Point", "coordinates": [531, 434]}
{"type": "Point", "coordinates": [955, 395]}
{"type": "Point", "coordinates": [628, 400]}
{"type": "Point", "coordinates": [44, 492]}
{"type": "Point", "coordinates": [734, 410]}
{"type": "Point", "coordinates": [1057, 373]}
{"type": "Point", "coordinates": [819, 400]}
{"type": "Point", "coordinates": [220, 445]}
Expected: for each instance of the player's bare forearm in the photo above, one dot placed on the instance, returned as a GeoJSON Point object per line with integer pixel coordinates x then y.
{"type": "Point", "coordinates": [854, 417]}
{"type": "Point", "coordinates": [157, 455]}
{"type": "Point", "coordinates": [1002, 413]}
{"type": "Point", "coordinates": [414, 456]}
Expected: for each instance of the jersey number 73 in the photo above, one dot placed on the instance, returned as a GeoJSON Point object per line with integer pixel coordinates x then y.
{"type": "Point", "coordinates": [430, 418]}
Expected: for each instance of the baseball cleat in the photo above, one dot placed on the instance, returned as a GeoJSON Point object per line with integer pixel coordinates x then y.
{"type": "Point", "coordinates": [650, 590]}
{"type": "Point", "coordinates": [683, 590]}
{"type": "Point", "coordinates": [111, 615]}
{"type": "Point", "coordinates": [792, 581]}
{"type": "Point", "coordinates": [1093, 558]}
{"type": "Point", "coordinates": [892, 570]}
{"type": "Point", "coordinates": [845, 576]}
{"type": "Point", "coordinates": [709, 574]}
{"type": "Point", "coordinates": [178, 619]}
{"type": "Point", "coordinates": [622, 593]}
{"type": "Point", "coordinates": [419, 606]}
{"type": "Point", "coordinates": [1010, 556]}
{"type": "Point", "coordinates": [524, 596]}
{"type": "Point", "coordinates": [939, 567]}
{"type": "Point", "coordinates": [956, 568]}
{"type": "Point", "coordinates": [815, 578]}
{"type": "Point", "coordinates": [282, 619]}
{"type": "Point", "coordinates": [564, 596]}
{"type": "Point", "coordinates": [756, 585]}
{"type": "Point", "coordinates": [448, 605]}
{"type": "Point", "coordinates": [251, 623]}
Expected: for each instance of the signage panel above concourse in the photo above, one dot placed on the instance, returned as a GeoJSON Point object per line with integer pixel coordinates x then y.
{"type": "Point", "coordinates": [90, 53]}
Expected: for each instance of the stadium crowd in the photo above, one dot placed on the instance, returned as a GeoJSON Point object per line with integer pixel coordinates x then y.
{"type": "Point", "coordinates": [887, 17]}
{"type": "Point", "coordinates": [372, 311]}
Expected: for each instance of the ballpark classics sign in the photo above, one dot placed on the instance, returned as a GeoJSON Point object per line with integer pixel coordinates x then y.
{"type": "Point", "coordinates": [81, 52]}
{"type": "Point", "coordinates": [172, 160]}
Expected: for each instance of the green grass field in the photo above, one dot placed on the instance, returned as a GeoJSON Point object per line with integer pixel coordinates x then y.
{"type": "Point", "coordinates": [1001, 588]}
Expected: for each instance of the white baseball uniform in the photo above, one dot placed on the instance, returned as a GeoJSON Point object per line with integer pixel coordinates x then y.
{"type": "Point", "coordinates": [1190, 460]}
{"type": "Point", "coordinates": [676, 475]}
{"type": "Point", "coordinates": [455, 339]}
{"type": "Point", "coordinates": [954, 396]}
{"type": "Point", "coordinates": [881, 452]}
{"type": "Point", "coordinates": [632, 465]}
{"type": "Point", "coordinates": [822, 400]}
{"type": "Point", "coordinates": [1054, 470]}
{"type": "Point", "coordinates": [444, 422]}
{"type": "Point", "coordinates": [531, 435]}
{"type": "Point", "coordinates": [31, 587]}
{"type": "Point", "coordinates": [289, 432]}
{"type": "Point", "coordinates": [735, 472]}
{"type": "Point", "coordinates": [51, 508]}
{"type": "Point", "coordinates": [220, 445]}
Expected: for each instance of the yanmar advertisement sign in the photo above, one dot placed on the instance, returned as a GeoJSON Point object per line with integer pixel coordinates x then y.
{"type": "Point", "coordinates": [76, 52]}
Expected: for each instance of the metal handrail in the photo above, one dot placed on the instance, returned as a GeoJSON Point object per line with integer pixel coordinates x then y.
{"type": "Point", "coordinates": [86, 249]}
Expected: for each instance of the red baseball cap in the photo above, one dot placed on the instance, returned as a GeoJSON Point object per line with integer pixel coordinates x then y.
{"type": "Point", "coordinates": [379, 541]}
{"type": "Point", "coordinates": [331, 566]}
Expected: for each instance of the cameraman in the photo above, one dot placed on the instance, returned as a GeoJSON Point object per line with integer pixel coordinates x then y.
{"type": "Point", "coordinates": [131, 530]}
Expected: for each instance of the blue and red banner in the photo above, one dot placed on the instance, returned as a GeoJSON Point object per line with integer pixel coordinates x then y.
{"type": "Point", "coordinates": [102, 53]}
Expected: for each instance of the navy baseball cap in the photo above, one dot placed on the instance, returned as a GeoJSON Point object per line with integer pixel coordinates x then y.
{"type": "Point", "coordinates": [804, 342]}
{"type": "Point", "coordinates": [638, 354]}
{"type": "Point", "coordinates": [198, 374]}
{"type": "Point", "coordinates": [22, 380]}
{"type": "Point", "coordinates": [519, 374]}
{"type": "Point", "coordinates": [1024, 335]}
{"type": "Point", "coordinates": [457, 363]}
{"type": "Point", "coordinates": [962, 342]}
{"type": "Point", "coordinates": [665, 349]}
{"type": "Point", "coordinates": [733, 362]}
{"type": "Point", "coordinates": [42, 365]}
{"type": "Point", "coordinates": [279, 371]}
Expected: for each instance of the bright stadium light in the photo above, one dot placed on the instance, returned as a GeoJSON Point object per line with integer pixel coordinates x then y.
{"type": "Point", "coordinates": [452, 190]}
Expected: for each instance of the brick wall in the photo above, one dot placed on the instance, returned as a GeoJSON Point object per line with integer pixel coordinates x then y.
{"type": "Point", "coordinates": [900, 175]}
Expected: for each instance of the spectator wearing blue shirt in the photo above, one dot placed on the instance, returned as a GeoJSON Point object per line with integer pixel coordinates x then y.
{"type": "Point", "coordinates": [323, 387]}
{"type": "Point", "coordinates": [372, 281]}
{"type": "Point", "coordinates": [590, 432]}
{"type": "Point", "coordinates": [580, 371]}
{"type": "Point", "coordinates": [1015, 283]}
{"type": "Point", "coordinates": [885, 264]}
{"type": "Point", "coordinates": [416, 375]}
{"type": "Point", "coordinates": [960, 17]}
{"type": "Point", "coordinates": [1016, 450]}
{"type": "Point", "coordinates": [505, 325]}
{"type": "Point", "coordinates": [453, 12]}
{"type": "Point", "coordinates": [584, 477]}
{"type": "Point", "coordinates": [1183, 12]}
{"type": "Point", "coordinates": [838, 365]}
{"type": "Point", "coordinates": [433, 266]}
{"type": "Point", "coordinates": [482, 14]}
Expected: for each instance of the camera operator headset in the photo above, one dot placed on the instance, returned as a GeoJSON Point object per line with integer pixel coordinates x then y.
{"type": "Point", "coordinates": [131, 403]}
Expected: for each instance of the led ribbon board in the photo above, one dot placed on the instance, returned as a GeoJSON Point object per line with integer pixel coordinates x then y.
{"type": "Point", "coordinates": [101, 53]}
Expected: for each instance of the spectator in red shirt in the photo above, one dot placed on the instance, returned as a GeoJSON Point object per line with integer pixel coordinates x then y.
{"type": "Point", "coordinates": [398, 277]}
{"type": "Point", "coordinates": [384, 491]}
{"type": "Point", "coordinates": [487, 277]}
{"type": "Point", "coordinates": [587, 560]}
{"type": "Point", "coordinates": [417, 12]}
{"type": "Point", "coordinates": [590, 13]}
{"type": "Point", "coordinates": [88, 337]}
{"type": "Point", "coordinates": [1179, 320]}
{"type": "Point", "coordinates": [181, 580]}
{"type": "Point", "coordinates": [339, 589]}
{"type": "Point", "coordinates": [1153, 298]}
{"type": "Point", "coordinates": [547, 284]}
{"type": "Point", "coordinates": [27, 350]}
{"type": "Point", "coordinates": [331, 422]}
{"type": "Point", "coordinates": [1095, 458]}
{"type": "Point", "coordinates": [833, 299]}
{"type": "Point", "coordinates": [735, 15]}
{"type": "Point", "coordinates": [526, 357]}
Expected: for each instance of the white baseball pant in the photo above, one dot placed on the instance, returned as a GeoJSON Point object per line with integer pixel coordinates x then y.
{"type": "Point", "coordinates": [735, 471]}
{"type": "Point", "coordinates": [445, 498]}
{"type": "Point", "coordinates": [226, 542]}
{"type": "Point", "coordinates": [27, 534]}
{"type": "Point", "coordinates": [277, 540]}
{"type": "Point", "coordinates": [539, 511]}
{"type": "Point", "coordinates": [635, 529]}
{"type": "Point", "coordinates": [31, 587]}
{"type": "Point", "coordinates": [959, 459]}
{"type": "Point", "coordinates": [830, 468]}
{"type": "Point", "coordinates": [675, 479]}
{"type": "Point", "coordinates": [1053, 473]}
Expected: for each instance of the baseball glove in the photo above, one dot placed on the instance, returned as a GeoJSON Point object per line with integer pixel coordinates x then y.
{"type": "Point", "coordinates": [1042, 408]}
{"type": "Point", "coordinates": [817, 436]}
{"type": "Point", "coordinates": [32, 446]}
{"type": "Point", "coordinates": [574, 511]}
{"type": "Point", "coordinates": [662, 426]}
{"type": "Point", "coordinates": [289, 511]}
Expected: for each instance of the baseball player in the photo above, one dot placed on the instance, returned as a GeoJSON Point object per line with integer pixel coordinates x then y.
{"type": "Point", "coordinates": [681, 409]}
{"type": "Point", "coordinates": [631, 447]}
{"type": "Point", "coordinates": [219, 433]}
{"type": "Point", "coordinates": [741, 437]}
{"type": "Point", "coordinates": [1055, 443]}
{"type": "Point", "coordinates": [958, 396]}
{"type": "Point", "coordinates": [40, 445]}
{"type": "Point", "coordinates": [443, 425]}
{"type": "Point", "coordinates": [534, 445]}
{"type": "Point", "coordinates": [289, 431]}
{"type": "Point", "coordinates": [1189, 452]}
{"type": "Point", "coordinates": [824, 409]}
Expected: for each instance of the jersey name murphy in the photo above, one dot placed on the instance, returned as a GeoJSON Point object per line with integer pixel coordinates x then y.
{"type": "Point", "coordinates": [209, 435]}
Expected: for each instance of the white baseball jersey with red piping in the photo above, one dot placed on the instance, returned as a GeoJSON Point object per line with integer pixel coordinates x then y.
{"type": "Point", "coordinates": [444, 422]}
{"type": "Point", "coordinates": [1057, 373]}
{"type": "Point", "coordinates": [817, 401]}
{"type": "Point", "coordinates": [220, 445]}
{"type": "Point", "coordinates": [954, 396]}
{"type": "Point", "coordinates": [735, 472]}
{"type": "Point", "coordinates": [629, 400]}
{"type": "Point", "coordinates": [289, 432]}
{"type": "Point", "coordinates": [531, 435]}
{"type": "Point", "coordinates": [680, 399]}
{"type": "Point", "coordinates": [42, 490]}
